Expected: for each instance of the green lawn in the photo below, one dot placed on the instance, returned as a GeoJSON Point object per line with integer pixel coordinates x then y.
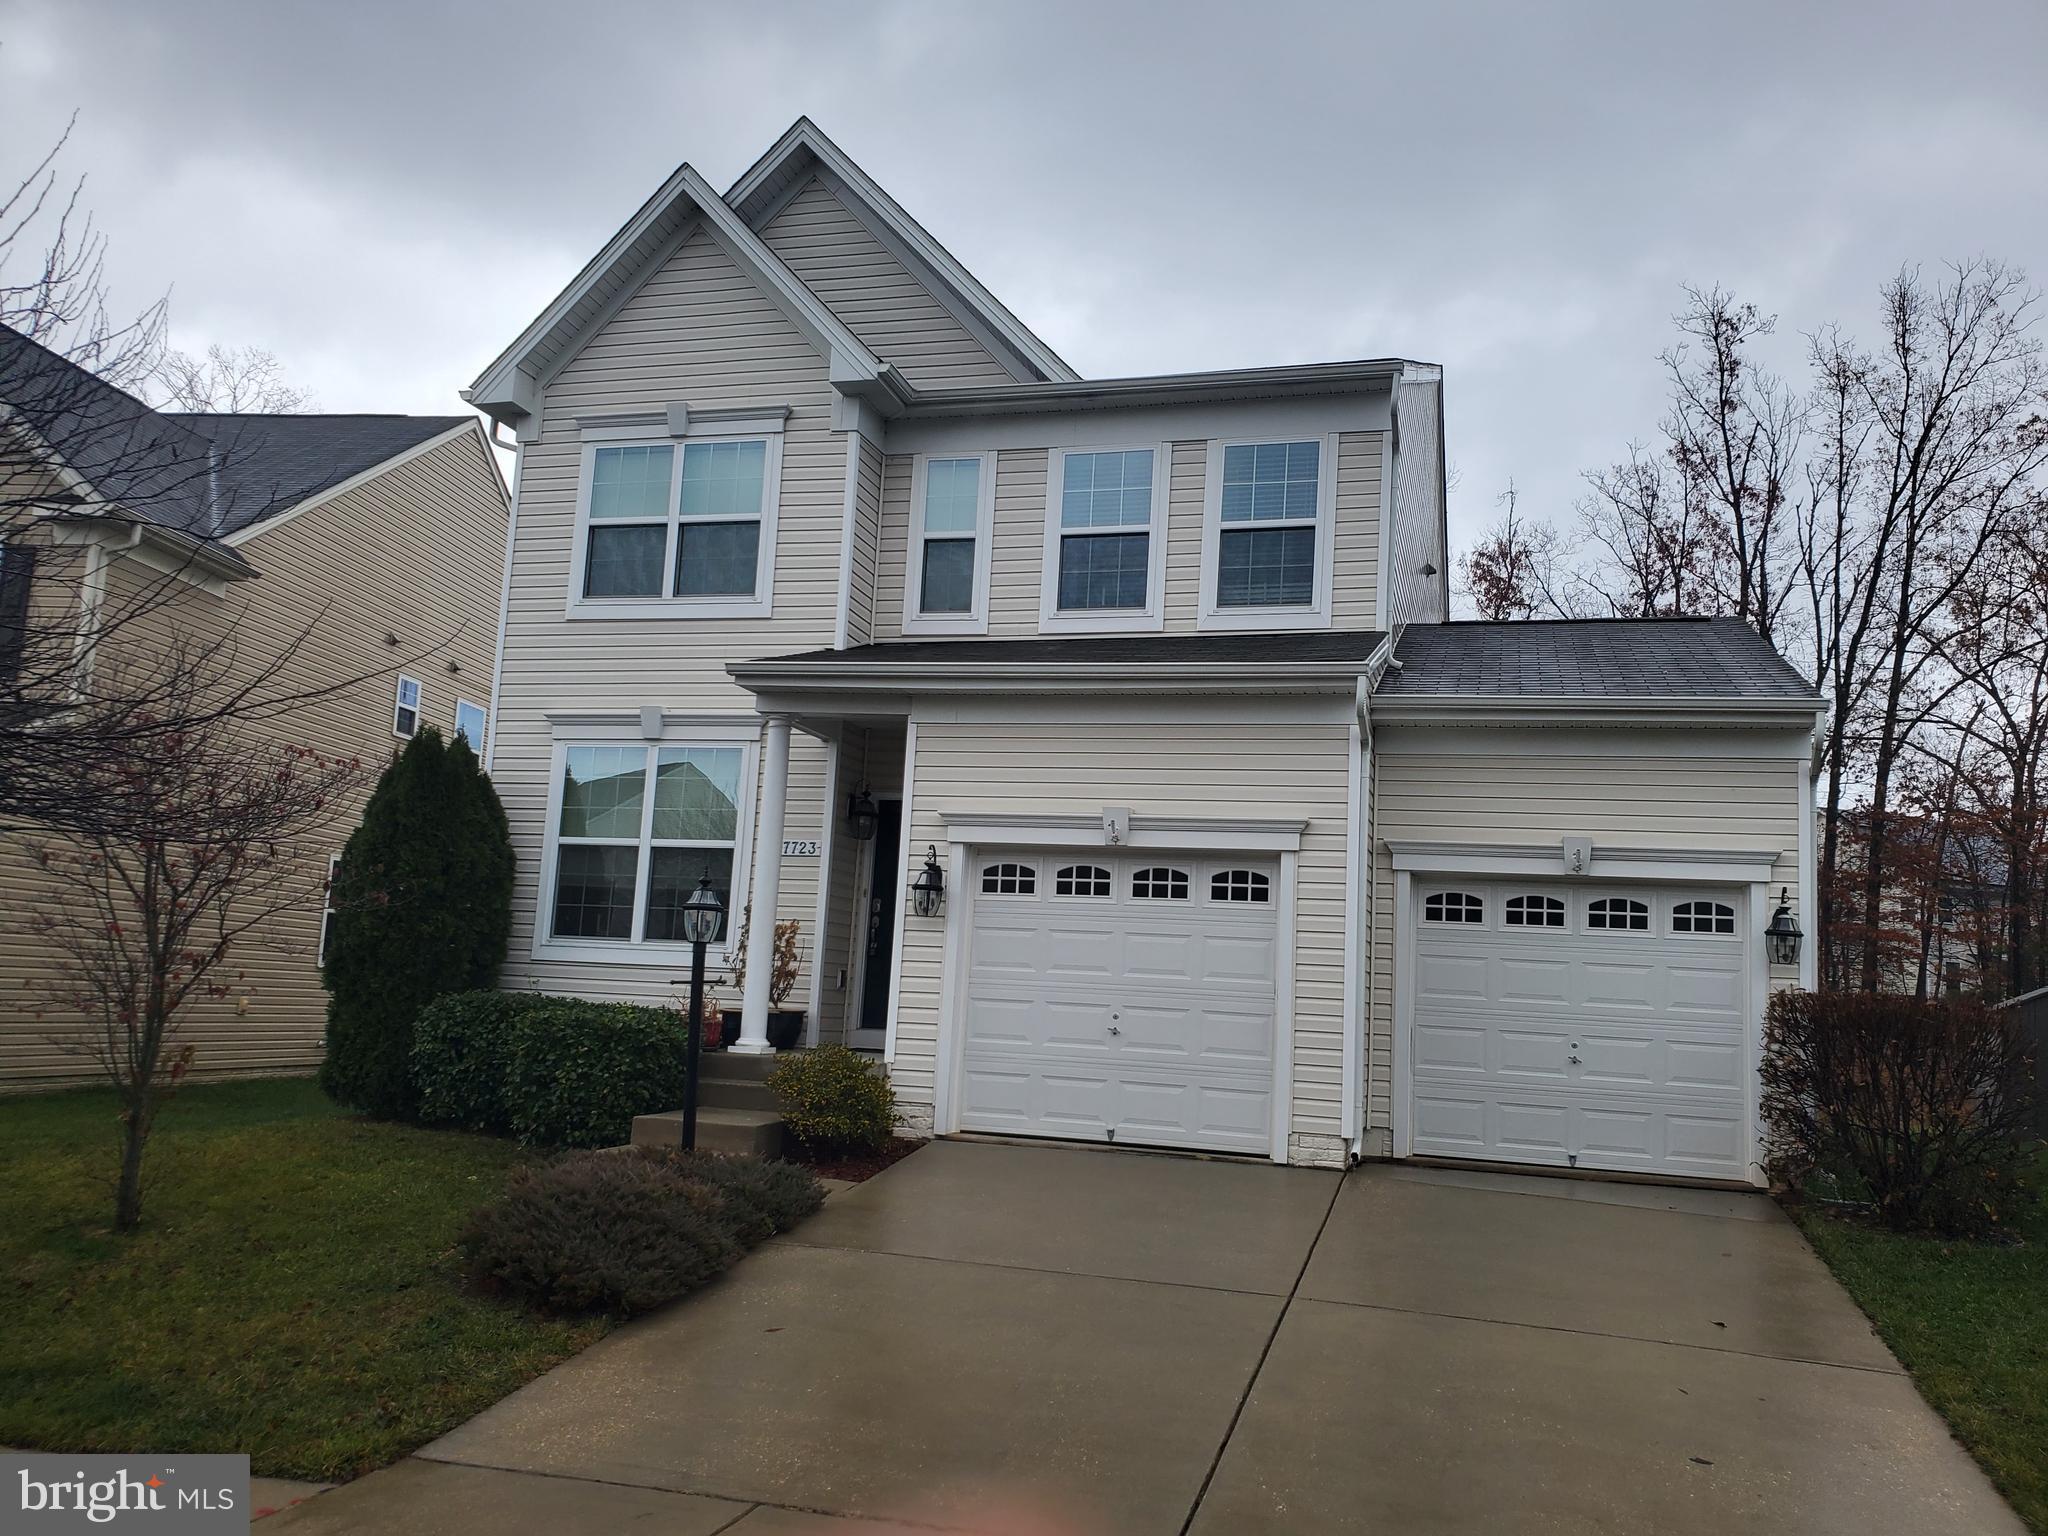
{"type": "Point", "coordinates": [292, 1292]}
{"type": "Point", "coordinates": [1970, 1321]}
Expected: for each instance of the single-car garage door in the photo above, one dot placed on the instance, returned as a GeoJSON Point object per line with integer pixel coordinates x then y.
{"type": "Point", "coordinates": [1581, 1025]}
{"type": "Point", "coordinates": [1121, 997]}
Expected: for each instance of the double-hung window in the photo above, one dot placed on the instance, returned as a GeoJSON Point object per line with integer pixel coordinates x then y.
{"type": "Point", "coordinates": [405, 710]}
{"type": "Point", "coordinates": [1104, 540]}
{"type": "Point", "coordinates": [1267, 541]}
{"type": "Point", "coordinates": [951, 521]}
{"type": "Point", "coordinates": [634, 827]}
{"type": "Point", "coordinates": [470, 722]}
{"type": "Point", "coordinates": [676, 528]}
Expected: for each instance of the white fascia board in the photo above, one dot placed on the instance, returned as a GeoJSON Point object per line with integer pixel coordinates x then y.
{"type": "Point", "coordinates": [1645, 710]}
{"type": "Point", "coordinates": [1227, 834]}
{"type": "Point", "coordinates": [1729, 866]}
{"type": "Point", "coordinates": [804, 136]}
{"type": "Point", "coordinates": [1374, 375]}
{"type": "Point", "coordinates": [785, 678]}
{"type": "Point", "coordinates": [164, 550]}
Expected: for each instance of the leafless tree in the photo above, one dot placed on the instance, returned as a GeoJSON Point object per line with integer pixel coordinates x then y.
{"type": "Point", "coordinates": [148, 921]}
{"type": "Point", "coordinates": [1518, 569]}
{"type": "Point", "coordinates": [236, 380]}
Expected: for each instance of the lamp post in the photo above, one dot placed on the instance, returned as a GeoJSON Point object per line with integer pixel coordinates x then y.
{"type": "Point", "coordinates": [702, 914]}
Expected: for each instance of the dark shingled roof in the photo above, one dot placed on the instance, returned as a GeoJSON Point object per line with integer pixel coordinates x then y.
{"type": "Point", "coordinates": [1592, 658]}
{"type": "Point", "coordinates": [202, 474]}
{"type": "Point", "coordinates": [271, 463]}
{"type": "Point", "coordinates": [1336, 646]}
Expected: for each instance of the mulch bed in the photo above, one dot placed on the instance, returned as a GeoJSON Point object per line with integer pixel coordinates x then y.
{"type": "Point", "coordinates": [854, 1169]}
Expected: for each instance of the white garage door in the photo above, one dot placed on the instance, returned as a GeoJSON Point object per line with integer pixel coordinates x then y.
{"type": "Point", "coordinates": [1124, 997]}
{"type": "Point", "coordinates": [1580, 1025]}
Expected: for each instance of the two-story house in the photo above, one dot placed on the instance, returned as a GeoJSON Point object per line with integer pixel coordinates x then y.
{"type": "Point", "coordinates": [344, 569]}
{"type": "Point", "coordinates": [829, 580]}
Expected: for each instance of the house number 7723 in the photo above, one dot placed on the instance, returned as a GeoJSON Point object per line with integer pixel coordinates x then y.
{"type": "Point", "coordinates": [800, 848]}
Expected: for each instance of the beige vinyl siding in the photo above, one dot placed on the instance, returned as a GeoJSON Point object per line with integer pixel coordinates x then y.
{"type": "Point", "coordinates": [1017, 557]}
{"type": "Point", "coordinates": [414, 553]}
{"type": "Point", "coordinates": [861, 281]}
{"type": "Point", "coordinates": [866, 552]}
{"type": "Point", "coordinates": [1518, 789]}
{"type": "Point", "coordinates": [1184, 767]}
{"type": "Point", "coordinates": [697, 330]}
{"type": "Point", "coordinates": [1418, 511]}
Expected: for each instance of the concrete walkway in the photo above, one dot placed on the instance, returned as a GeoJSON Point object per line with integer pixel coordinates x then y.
{"type": "Point", "coordinates": [1035, 1340]}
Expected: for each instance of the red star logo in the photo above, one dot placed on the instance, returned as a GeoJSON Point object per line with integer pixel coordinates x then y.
{"type": "Point", "coordinates": [155, 1481]}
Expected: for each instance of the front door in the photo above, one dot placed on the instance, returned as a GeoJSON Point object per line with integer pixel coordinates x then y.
{"type": "Point", "coordinates": [872, 1022]}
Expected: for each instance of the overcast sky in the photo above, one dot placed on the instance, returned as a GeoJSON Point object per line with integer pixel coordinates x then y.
{"type": "Point", "coordinates": [383, 194]}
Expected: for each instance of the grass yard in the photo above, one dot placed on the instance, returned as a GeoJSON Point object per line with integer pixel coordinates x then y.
{"type": "Point", "coordinates": [1970, 1321]}
{"type": "Point", "coordinates": [292, 1292]}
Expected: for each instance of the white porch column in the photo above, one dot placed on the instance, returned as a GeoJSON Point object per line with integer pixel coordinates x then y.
{"type": "Point", "coordinates": [764, 883]}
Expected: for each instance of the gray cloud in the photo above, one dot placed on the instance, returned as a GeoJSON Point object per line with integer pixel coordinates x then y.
{"type": "Point", "coordinates": [383, 194]}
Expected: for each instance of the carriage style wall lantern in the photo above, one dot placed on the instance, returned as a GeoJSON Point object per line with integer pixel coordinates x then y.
{"type": "Point", "coordinates": [1783, 936]}
{"type": "Point", "coordinates": [861, 815]}
{"type": "Point", "coordinates": [928, 890]}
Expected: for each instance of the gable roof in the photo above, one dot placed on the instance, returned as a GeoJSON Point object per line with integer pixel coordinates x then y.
{"type": "Point", "coordinates": [270, 463]}
{"type": "Point", "coordinates": [1680, 658]}
{"type": "Point", "coordinates": [202, 475]}
{"type": "Point", "coordinates": [510, 387]}
{"type": "Point", "coordinates": [804, 151]}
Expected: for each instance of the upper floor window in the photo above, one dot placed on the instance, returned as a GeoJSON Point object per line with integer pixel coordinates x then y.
{"type": "Point", "coordinates": [405, 713]}
{"type": "Point", "coordinates": [17, 570]}
{"type": "Point", "coordinates": [1104, 564]}
{"type": "Point", "coordinates": [1268, 540]}
{"type": "Point", "coordinates": [677, 528]}
{"type": "Point", "coordinates": [953, 505]}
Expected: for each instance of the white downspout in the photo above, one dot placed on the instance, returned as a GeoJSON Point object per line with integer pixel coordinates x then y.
{"type": "Point", "coordinates": [1357, 1054]}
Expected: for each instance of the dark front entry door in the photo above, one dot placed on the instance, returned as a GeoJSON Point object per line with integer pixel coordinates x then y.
{"type": "Point", "coordinates": [881, 926]}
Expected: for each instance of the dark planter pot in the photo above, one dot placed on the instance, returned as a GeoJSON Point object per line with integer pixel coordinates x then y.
{"type": "Point", "coordinates": [785, 1028]}
{"type": "Point", "coordinates": [729, 1027]}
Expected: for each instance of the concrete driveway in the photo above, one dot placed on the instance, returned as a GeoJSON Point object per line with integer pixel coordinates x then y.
{"type": "Point", "coordinates": [1038, 1340]}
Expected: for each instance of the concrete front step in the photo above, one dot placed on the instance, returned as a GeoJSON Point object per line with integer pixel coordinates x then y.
{"type": "Point", "coordinates": [735, 1093]}
{"type": "Point", "coordinates": [733, 1066]}
{"type": "Point", "coordinates": [754, 1131]}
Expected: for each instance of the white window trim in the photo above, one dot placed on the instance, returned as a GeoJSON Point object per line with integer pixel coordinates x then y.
{"type": "Point", "coordinates": [419, 708]}
{"type": "Point", "coordinates": [761, 605]}
{"type": "Point", "coordinates": [1105, 621]}
{"type": "Point", "coordinates": [1317, 614]}
{"type": "Point", "coordinates": [326, 910]}
{"type": "Point", "coordinates": [975, 620]}
{"type": "Point", "coordinates": [745, 735]}
{"type": "Point", "coordinates": [460, 705]}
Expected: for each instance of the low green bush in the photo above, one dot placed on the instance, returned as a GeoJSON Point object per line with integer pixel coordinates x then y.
{"type": "Point", "coordinates": [1923, 1109]}
{"type": "Point", "coordinates": [614, 1232]}
{"type": "Point", "coordinates": [578, 1072]}
{"type": "Point", "coordinates": [461, 1052]}
{"type": "Point", "coordinates": [760, 1198]}
{"type": "Point", "coordinates": [834, 1101]}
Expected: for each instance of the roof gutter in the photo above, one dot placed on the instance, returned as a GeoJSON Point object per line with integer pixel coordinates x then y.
{"type": "Point", "coordinates": [896, 677]}
{"type": "Point", "coordinates": [1376, 375]}
{"type": "Point", "coordinates": [1705, 711]}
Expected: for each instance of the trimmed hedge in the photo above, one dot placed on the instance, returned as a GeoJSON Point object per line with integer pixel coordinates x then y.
{"type": "Point", "coordinates": [553, 1071]}
{"type": "Point", "coordinates": [834, 1101]}
{"type": "Point", "coordinates": [461, 1053]}
{"type": "Point", "coordinates": [600, 1231]}
{"type": "Point", "coordinates": [760, 1198]}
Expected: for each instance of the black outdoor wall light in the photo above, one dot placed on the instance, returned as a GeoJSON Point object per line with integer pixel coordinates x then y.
{"type": "Point", "coordinates": [928, 890]}
{"type": "Point", "coordinates": [861, 815]}
{"type": "Point", "coordinates": [1783, 935]}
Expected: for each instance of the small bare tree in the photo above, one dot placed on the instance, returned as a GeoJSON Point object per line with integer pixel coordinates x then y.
{"type": "Point", "coordinates": [149, 920]}
{"type": "Point", "coordinates": [1517, 570]}
{"type": "Point", "coordinates": [235, 380]}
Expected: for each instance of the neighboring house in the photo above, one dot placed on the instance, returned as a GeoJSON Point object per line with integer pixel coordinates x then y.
{"type": "Point", "coordinates": [365, 549]}
{"type": "Point", "coordinates": [823, 561]}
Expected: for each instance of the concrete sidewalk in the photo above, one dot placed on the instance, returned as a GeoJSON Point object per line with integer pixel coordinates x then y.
{"type": "Point", "coordinates": [1034, 1339]}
